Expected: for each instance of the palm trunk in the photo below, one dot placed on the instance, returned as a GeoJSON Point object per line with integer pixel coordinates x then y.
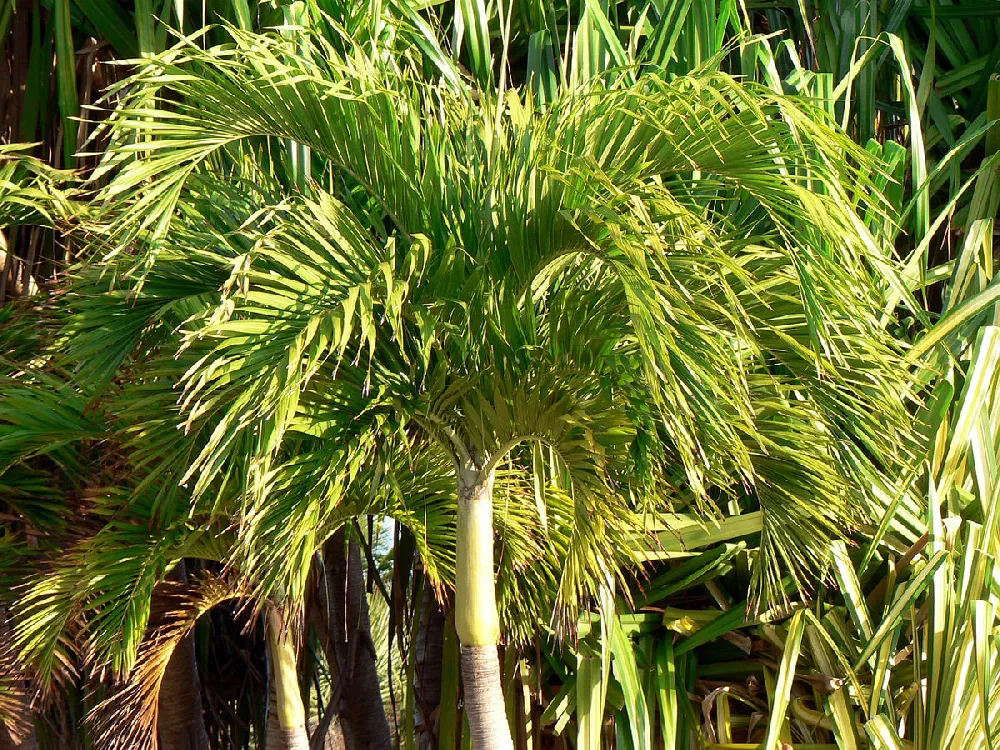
{"type": "Point", "coordinates": [327, 734]}
{"type": "Point", "coordinates": [181, 721]}
{"type": "Point", "coordinates": [286, 719]}
{"type": "Point", "coordinates": [429, 655]}
{"type": "Point", "coordinates": [350, 649]}
{"type": "Point", "coordinates": [476, 620]}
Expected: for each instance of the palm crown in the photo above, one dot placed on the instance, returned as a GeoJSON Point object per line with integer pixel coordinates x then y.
{"type": "Point", "coordinates": [428, 290]}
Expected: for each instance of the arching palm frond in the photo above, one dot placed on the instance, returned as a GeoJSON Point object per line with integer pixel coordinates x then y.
{"type": "Point", "coordinates": [127, 718]}
{"type": "Point", "coordinates": [423, 298]}
{"type": "Point", "coordinates": [30, 190]}
{"type": "Point", "coordinates": [110, 577]}
{"type": "Point", "coordinates": [32, 194]}
{"type": "Point", "coordinates": [44, 474]}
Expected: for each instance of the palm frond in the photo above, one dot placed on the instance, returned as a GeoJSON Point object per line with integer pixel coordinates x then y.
{"type": "Point", "coordinates": [127, 717]}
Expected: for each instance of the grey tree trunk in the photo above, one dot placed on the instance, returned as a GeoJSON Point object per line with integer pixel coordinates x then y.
{"type": "Point", "coordinates": [484, 704]}
{"type": "Point", "coordinates": [181, 722]}
{"type": "Point", "coordinates": [350, 650]}
{"type": "Point", "coordinates": [278, 737]}
{"type": "Point", "coordinates": [332, 735]}
{"type": "Point", "coordinates": [429, 653]}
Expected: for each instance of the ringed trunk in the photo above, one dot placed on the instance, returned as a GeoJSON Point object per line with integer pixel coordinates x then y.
{"type": "Point", "coordinates": [476, 620]}
{"type": "Point", "coordinates": [181, 725]}
{"type": "Point", "coordinates": [181, 721]}
{"type": "Point", "coordinates": [427, 674]}
{"type": "Point", "coordinates": [350, 649]}
{"type": "Point", "coordinates": [286, 721]}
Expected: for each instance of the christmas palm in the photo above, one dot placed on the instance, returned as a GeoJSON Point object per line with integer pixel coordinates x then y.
{"type": "Point", "coordinates": [641, 297]}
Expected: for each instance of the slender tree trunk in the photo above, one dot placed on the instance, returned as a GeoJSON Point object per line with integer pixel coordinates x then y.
{"type": "Point", "coordinates": [429, 655]}
{"type": "Point", "coordinates": [327, 735]}
{"type": "Point", "coordinates": [181, 722]}
{"type": "Point", "coordinates": [286, 717]}
{"type": "Point", "coordinates": [352, 652]}
{"type": "Point", "coordinates": [275, 739]}
{"type": "Point", "coordinates": [476, 620]}
{"type": "Point", "coordinates": [319, 612]}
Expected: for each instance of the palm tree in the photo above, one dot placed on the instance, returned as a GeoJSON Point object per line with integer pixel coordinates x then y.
{"type": "Point", "coordinates": [647, 293]}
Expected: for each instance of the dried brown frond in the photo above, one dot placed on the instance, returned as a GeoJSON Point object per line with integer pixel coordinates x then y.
{"type": "Point", "coordinates": [15, 688]}
{"type": "Point", "coordinates": [127, 718]}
